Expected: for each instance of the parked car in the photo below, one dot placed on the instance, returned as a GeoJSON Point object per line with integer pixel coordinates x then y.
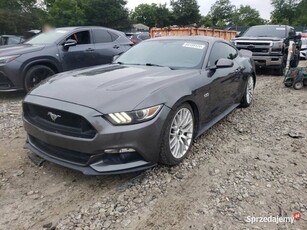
{"type": "Point", "coordinates": [23, 66]}
{"type": "Point", "coordinates": [270, 45]}
{"type": "Point", "coordinates": [10, 40]}
{"type": "Point", "coordinates": [138, 37]}
{"type": "Point", "coordinates": [145, 108]}
{"type": "Point", "coordinates": [303, 53]}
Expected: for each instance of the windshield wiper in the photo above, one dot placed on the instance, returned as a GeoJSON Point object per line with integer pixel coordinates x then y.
{"type": "Point", "coordinates": [151, 64]}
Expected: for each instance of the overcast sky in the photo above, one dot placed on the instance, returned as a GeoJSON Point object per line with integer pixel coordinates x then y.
{"type": "Point", "coordinates": [263, 6]}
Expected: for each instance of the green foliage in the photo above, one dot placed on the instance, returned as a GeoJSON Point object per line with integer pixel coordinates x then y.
{"type": "Point", "coordinates": [18, 16]}
{"type": "Point", "coordinates": [66, 13]}
{"type": "Point", "coordinates": [151, 15]}
{"type": "Point", "coordinates": [205, 21]}
{"type": "Point", "coordinates": [247, 16]}
{"type": "Point", "coordinates": [221, 13]}
{"type": "Point", "coordinates": [109, 13]}
{"type": "Point", "coordinates": [185, 12]}
{"type": "Point", "coordinates": [284, 11]}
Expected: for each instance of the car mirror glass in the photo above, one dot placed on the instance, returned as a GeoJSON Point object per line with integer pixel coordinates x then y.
{"type": "Point", "coordinates": [70, 42]}
{"type": "Point", "coordinates": [224, 63]}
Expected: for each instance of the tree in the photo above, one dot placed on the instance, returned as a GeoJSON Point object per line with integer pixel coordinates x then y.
{"type": "Point", "coordinates": [185, 12]}
{"type": "Point", "coordinates": [145, 14]}
{"type": "Point", "coordinates": [66, 13]}
{"type": "Point", "coordinates": [109, 13]}
{"type": "Point", "coordinates": [18, 16]}
{"type": "Point", "coordinates": [221, 13]}
{"type": "Point", "coordinates": [151, 15]}
{"type": "Point", "coordinates": [301, 16]}
{"type": "Point", "coordinates": [284, 11]}
{"type": "Point", "coordinates": [205, 21]}
{"type": "Point", "coordinates": [247, 16]}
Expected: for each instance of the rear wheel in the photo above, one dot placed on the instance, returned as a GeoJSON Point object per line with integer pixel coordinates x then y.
{"type": "Point", "coordinates": [249, 93]}
{"type": "Point", "coordinates": [178, 136]}
{"type": "Point", "coordinates": [35, 75]}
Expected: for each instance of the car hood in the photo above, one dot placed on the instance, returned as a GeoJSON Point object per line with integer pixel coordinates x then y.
{"type": "Point", "coordinates": [110, 88]}
{"type": "Point", "coordinates": [19, 49]}
{"type": "Point", "coordinates": [259, 38]}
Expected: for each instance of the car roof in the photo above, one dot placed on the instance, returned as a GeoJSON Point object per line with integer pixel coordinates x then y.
{"type": "Point", "coordinates": [191, 38]}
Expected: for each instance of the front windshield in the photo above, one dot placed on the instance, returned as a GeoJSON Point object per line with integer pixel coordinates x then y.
{"type": "Point", "coordinates": [176, 54]}
{"type": "Point", "coordinates": [266, 31]}
{"type": "Point", "coordinates": [47, 37]}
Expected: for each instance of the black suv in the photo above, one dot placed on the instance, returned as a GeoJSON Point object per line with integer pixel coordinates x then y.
{"type": "Point", "coordinates": [25, 65]}
{"type": "Point", "coordinates": [270, 45]}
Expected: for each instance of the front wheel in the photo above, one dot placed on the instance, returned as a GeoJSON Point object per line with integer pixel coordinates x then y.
{"type": "Point", "coordinates": [35, 75]}
{"type": "Point", "coordinates": [249, 93]}
{"type": "Point", "coordinates": [178, 136]}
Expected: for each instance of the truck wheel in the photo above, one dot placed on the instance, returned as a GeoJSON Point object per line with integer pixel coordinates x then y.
{"type": "Point", "coordinates": [294, 62]}
{"type": "Point", "coordinates": [282, 69]}
{"type": "Point", "coordinates": [35, 75]}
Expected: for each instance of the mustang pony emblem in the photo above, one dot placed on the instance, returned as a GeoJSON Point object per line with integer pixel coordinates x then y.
{"type": "Point", "coordinates": [53, 116]}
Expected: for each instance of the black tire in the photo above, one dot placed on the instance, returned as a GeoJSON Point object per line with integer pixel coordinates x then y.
{"type": "Point", "coordinates": [298, 85]}
{"type": "Point", "coordinates": [288, 82]}
{"type": "Point", "coordinates": [280, 71]}
{"type": "Point", "coordinates": [35, 75]}
{"type": "Point", "coordinates": [166, 155]}
{"type": "Point", "coordinates": [294, 63]}
{"type": "Point", "coordinates": [248, 96]}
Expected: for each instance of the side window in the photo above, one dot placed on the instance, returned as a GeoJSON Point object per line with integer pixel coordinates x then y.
{"type": "Point", "coordinates": [82, 37]}
{"type": "Point", "coordinates": [221, 50]}
{"type": "Point", "coordinates": [102, 36]}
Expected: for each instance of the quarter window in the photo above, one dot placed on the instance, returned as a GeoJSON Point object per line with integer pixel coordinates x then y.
{"type": "Point", "coordinates": [221, 50]}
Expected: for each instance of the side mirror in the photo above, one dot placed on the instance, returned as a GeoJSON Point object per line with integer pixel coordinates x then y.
{"type": "Point", "coordinates": [222, 63]}
{"type": "Point", "coordinates": [115, 57]}
{"type": "Point", "coordinates": [70, 42]}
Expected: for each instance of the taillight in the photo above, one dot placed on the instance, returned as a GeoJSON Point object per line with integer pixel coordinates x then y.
{"type": "Point", "coordinates": [133, 40]}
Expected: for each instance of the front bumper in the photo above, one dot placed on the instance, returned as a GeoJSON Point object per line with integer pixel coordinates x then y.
{"type": "Point", "coordinates": [303, 54]}
{"type": "Point", "coordinates": [10, 79]}
{"type": "Point", "coordinates": [268, 61]}
{"type": "Point", "coordinates": [87, 155]}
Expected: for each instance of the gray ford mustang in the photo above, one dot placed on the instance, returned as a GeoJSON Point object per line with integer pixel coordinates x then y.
{"type": "Point", "coordinates": [145, 108]}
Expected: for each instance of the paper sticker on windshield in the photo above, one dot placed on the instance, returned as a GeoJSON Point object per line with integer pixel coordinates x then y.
{"type": "Point", "coordinates": [280, 28]}
{"type": "Point", "coordinates": [193, 45]}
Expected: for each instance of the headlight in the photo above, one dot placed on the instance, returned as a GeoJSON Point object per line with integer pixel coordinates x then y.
{"type": "Point", "coordinates": [277, 45]}
{"type": "Point", "coordinates": [7, 59]}
{"type": "Point", "coordinates": [138, 116]}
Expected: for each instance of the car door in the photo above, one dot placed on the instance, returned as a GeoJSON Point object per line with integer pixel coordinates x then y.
{"type": "Point", "coordinates": [106, 46]}
{"type": "Point", "coordinates": [80, 55]}
{"type": "Point", "coordinates": [223, 81]}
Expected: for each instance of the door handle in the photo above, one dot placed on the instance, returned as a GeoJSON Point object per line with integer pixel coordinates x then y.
{"type": "Point", "coordinates": [89, 50]}
{"type": "Point", "coordinates": [116, 47]}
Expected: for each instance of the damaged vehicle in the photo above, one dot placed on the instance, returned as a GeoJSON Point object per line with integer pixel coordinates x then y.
{"type": "Point", "coordinates": [145, 108]}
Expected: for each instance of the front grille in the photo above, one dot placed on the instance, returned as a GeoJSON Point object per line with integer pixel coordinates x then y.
{"type": "Point", "coordinates": [65, 123]}
{"type": "Point", "coordinates": [255, 43]}
{"type": "Point", "coordinates": [255, 47]}
{"type": "Point", "coordinates": [60, 153]}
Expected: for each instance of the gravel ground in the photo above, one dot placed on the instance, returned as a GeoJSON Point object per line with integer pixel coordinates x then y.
{"type": "Point", "coordinates": [253, 163]}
